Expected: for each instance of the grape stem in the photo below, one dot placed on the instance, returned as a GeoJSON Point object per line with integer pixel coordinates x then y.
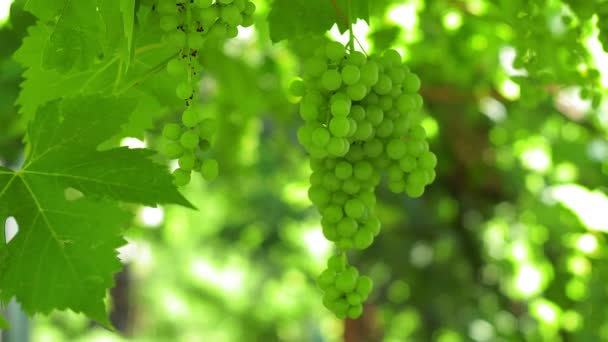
{"type": "Point", "coordinates": [346, 22]}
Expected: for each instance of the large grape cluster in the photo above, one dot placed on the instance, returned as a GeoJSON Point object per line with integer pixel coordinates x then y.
{"type": "Point", "coordinates": [188, 25]}
{"type": "Point", "coordinates": [361, 121]}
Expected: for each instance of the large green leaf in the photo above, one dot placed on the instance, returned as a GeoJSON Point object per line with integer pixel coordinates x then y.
{"type": "Point", "coordinates": [290, 19]}
{"type": "Point", "coordinates": [64, 255]}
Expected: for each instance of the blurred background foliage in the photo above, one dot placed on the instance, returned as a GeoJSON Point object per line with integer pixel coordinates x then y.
{"type": "Point", "coordinates": [508, 244]}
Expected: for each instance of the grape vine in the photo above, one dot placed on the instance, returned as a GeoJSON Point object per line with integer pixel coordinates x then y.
{"type": "Point", "coordinates": [361, 120]}
{"type": "Point", "coordinates": [188, 26]}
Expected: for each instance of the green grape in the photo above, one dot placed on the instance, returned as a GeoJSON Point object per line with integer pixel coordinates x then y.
{"type": "Point", "coordinates": [333, 214]}
{"type": "Point", "coordinates": [350, 74]}
{"type": "Point", "coordinates": [206, 128]}
{"type": "Point", "coordinates": [173, 150]}
{"type": "Point", "coordinates": [386, 102]}
{"type": "Point", "coordinates": [347, 226]}
{"type": "Point", "coordinates": [373, 148]}
{"type": "Point", "coordinates": [343, 170]}
{"type": "Point", "coordinates": [187, 162]}
{"type": "Point", "coordinates": [209, 16]}
{"type": "Point", "coordinates": [354, 208]}
{"type": "Point", "coordinates": [195, 40]}
{"type": "Point", "coordinates": [397, 75]}
{"type": "Point", "coordinates": [340, 104]}
{"type": "Point", "coordinates": [353, 298]}
{"type": "Point", "coordinates": [218, 30]}
{"type": "Point", "coordinates": [330, 232]}
{"type": "Point", "coordinates": [334, 51]}
{"type": "Point", "coordinates": [203, 3]}
{"type": "Point", "coordinates": [356, 58]}
{"type": "Point", "coordinates": [240, 4]}
{"type": "Point", "coordinates": [418, 132]}
{"type": "Point", "coordinates": [209, 169]}
{"type": "Point", "coordinates": [346, 282]}
{"type": "Point", "coordinates": [184, 90]}
{"type": "Point", "coordinates": [177, 39]}
{"type": "Point", "coordinates": [247, 21]}
{"type": "Point", "coordinates": [383, 85]}
{"type": "Point", "coordinates": [363, 170]}
{"type": "Point", "coordinates": [414, 190]}
{"type": "Point", "coordinates": [351, 186]}
{"type": "Point", "coordinates": [181, 177]}
{"type": "Point", "coordinates": [352, 125]}
{"type": "Point", "coordinates": [365, 130]}
{"type": "Point", "coordinates": [168, 23]}
{"type": "Point", "coordinates": [374, 115]}
{"type": "Point", "coordinates": [363, 239]}
{"type": "Point", "coordinates": [356, 91]}
{"type": "Point", "coordinates": [407, 163]}
{"type": "Point", "coordinates": [331, 182]}
{"type": "Point", "coordinates": [167, 7]}
{"type": "Point", "coordinates": [331, 80]}
{"type": "Point", "coordinates": [231, 31]}
{"type": "Point", "coordinates": [309, 111]}
{"type": "Point", "coordinates": [189, 140]}
{"type": "Point", "coordinates": [190, 117]}
{"type": "Point", "coordinates": [319, 195]}
{"type": "Point", "coordinates": [314, 67]}
{"type": "Point", "coordinates": [172, 131]}
{"type": "Point", "coordinates": [339, 126]}
{"type": "Point", "coordinates": [176, 67]}
{"type": "Point", "coordinates": [406, 103]}
{"type": "Point", "coordinates": [339, 198]}
{"type": "Point", "coordinates": [355, 312]}
{"type": "Point", "coordinates": [231, 15]}
{"type": "Point", "coordinates": [396, 186]}
{"type": "Point", "coordinates": [369, 73]}
{"type": "Point", "coordinates": [297, 88]}
{"type": "Point", "coordinates": [326, 278]}
{"type": "Point", "coordinates": [249, 8]}
{"type": "Point", "coordinates": [337, 263]}
{"type": "Point", "coordinates": [364, 286]}
{"type": "Point", "coordinates": [411, 83]}
{"type": "Point", "coordinates": [385, 128]}
{"type": "Point", "coordinates": [391, 57]}
{"type": "Point", "coordinates": [320, 136]}
{"type": "Point", "coordinates": [357, 112]}
{"type": "Point", "coordinates": [414, 147]}
{"type": "Point", "coordinates": [224, 2]}
{"type": "Point", "coordinates": [427, 160]}
{"type": "Point", "coordinates": [396, 149]}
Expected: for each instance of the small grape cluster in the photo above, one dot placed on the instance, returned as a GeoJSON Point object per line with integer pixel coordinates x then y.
{"type": "Point", "coordinates": [345, 290]}
{"type": "Point", "coordinates": [361, 117]}
{"type": "Point", "coordinates": [188, 24]}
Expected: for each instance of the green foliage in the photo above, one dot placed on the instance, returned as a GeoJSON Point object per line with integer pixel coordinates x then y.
{"type": "Point", "coordinates": [73, 239]}
{"type": "Point", "coordinates": [508, 243]}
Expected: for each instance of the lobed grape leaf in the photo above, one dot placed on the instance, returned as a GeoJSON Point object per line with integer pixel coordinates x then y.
{"type": "Point", "coordinates": [64, 255]}
{"type": "Point", "coordinates": [290, 19]}
{"type": "Point", "coordinates": [41, 86]}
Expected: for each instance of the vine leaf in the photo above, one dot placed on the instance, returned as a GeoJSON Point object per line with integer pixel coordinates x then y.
{"type": "Point", "coordinates": [289, 19]}
{"type": "Point", "coordinates": [64, 255]}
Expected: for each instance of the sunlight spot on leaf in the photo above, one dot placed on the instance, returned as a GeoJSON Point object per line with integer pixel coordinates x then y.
{"type": "Point", "coordinates": [151, 217]}
{"type": "Point", "coordinates": [481, 330]}
{"type": "Point", "coordinates": [11, 228]}
{"type": "Point", "coordinates": [133, 143]}
{"type": "Point", "coordinates": [72, 194]}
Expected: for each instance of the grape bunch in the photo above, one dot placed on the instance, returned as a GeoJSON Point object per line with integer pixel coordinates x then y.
{"type": "Point", "coordinates": [345, 290]}
{"type": "Point", "coordinates": [361, 122]}
{"type": "Point", "coordinates": [188, 25]}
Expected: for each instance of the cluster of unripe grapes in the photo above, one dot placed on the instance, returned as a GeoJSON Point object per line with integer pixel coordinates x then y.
{"type": "Point", "coordinates": [188, 25]}
{"type": "Point", "coordinates": [362, 121]}
{"type": "Point", "coordinates": [345, 290]}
